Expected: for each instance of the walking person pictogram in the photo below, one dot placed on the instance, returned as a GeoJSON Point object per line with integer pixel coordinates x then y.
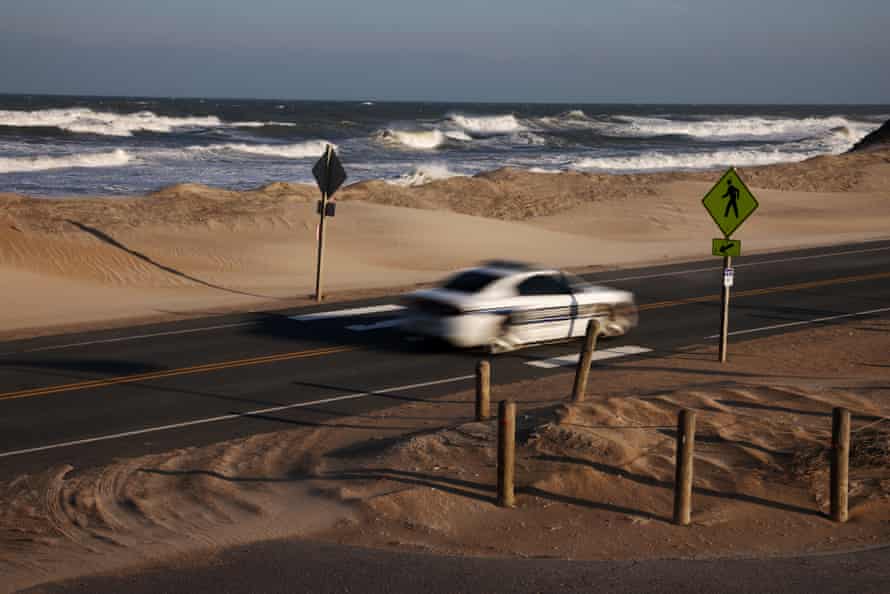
{"type": "Point", "coordinates": [733, 193]}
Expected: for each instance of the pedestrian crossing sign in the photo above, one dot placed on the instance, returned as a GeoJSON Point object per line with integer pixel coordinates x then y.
{"type": "Point", "coordinates": [730, 202]}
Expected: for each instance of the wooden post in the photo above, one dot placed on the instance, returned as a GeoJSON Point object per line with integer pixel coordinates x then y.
{"type": "Point", "coordinates": [840, 463]}
{"type": "Point", "coordinates": [506, 452]}
{"type": "Point", "coordinates": [724, 312]}
{"type": "Point", "coordinates": [324, 204]}
{"type": "Point", "coordinates": [583, 370]}
{"type": "Point", "coordinates": [483, 390]}
{"type": "Point", "coordinates": [684, 468]}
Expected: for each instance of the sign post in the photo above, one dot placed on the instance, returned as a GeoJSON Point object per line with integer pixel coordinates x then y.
{"type": "Point", "coordinates": [728, 279]}
{"type": "Point", "coordinates": [729, 203]}
{"type": "Point", "coordinates": [330, 175]}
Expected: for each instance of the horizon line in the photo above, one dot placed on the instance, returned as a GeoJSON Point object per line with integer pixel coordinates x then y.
{"type": "Point", "coordinates": [443, 101]}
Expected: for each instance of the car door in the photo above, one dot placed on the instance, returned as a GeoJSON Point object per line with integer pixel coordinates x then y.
{"type": "Point", "coordinates": [545, 309]}
{"type": "Point", "coordinates": [587, 304]}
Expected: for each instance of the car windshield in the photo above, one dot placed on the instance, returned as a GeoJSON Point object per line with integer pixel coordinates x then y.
{"type": "Point", "coordinates": [471, 281]}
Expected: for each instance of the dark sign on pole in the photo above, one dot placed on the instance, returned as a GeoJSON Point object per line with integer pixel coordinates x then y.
{"type": "Point", "coordinates": [329, 172]}
{"type": "Point", "coordinates": [330, 175]}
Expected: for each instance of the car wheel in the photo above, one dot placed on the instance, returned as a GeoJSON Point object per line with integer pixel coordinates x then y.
{"type": "Point", "coordinates": [502, 341]}
{"type": "Point", "coordinates": [621, 319]}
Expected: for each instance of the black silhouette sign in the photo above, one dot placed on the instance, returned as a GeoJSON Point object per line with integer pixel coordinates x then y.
{"type": "Point", "coordinates": [329, 172]}
{"type": "Point", "coordinates": [732, 193]}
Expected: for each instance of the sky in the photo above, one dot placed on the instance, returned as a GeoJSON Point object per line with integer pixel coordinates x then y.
{"type": "Point", "coordinates": [593, 51]}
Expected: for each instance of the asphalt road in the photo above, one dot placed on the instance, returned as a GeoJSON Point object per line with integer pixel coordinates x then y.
{"type": "Point", "coordinates": [86, 399]}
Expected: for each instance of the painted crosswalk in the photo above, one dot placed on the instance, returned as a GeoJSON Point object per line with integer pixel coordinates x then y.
{"type": "Point", "coordinates": [600, 355]}
{"type": "Point", "coordinates": [347, 313]}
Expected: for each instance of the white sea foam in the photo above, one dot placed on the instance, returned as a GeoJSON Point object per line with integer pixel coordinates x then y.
{"type": "Point", "coordinates": [87, 121]}
{"type": "Point", "coordinates": [528, 138]}
{"type": "Point", "coordinates": [487, 125]}
{"type": "Point", "coordinates": [424, 174]}
{"type": "Point", "coordinates": [570, 120]}
{"type": "Point", "coordinates": [424, 140]}
{"type": "Point", "coordinates": [732, 128]}
{"type": "Point", "coordinates": [458, 135]}
{"type": "Point", "coordinates": [658, 161]}
{"type": "Point", "coordinates": [256, 124]}
{"type": "Point", "coordinates": [303, 150]}
{"type": "Point", "coordinates": [116, 158]}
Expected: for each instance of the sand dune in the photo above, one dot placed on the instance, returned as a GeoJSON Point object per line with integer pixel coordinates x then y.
{"type": "Point", "coordinates": [190, 248]}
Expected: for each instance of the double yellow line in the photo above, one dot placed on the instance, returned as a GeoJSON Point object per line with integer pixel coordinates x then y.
{"type": "Point", "coordinates": [129, 379]}
{"type": "Point", "coordinates": [141, 377]}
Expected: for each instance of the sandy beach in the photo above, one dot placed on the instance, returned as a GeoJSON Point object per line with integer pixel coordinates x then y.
{"type": "Point", "coordinates": [192, 250]}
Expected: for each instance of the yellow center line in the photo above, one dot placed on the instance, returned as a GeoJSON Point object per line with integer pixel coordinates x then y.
{"type": "Point", "coordinates": [129, 379]}
{"type": "Point", "coordinates": [768, 290]}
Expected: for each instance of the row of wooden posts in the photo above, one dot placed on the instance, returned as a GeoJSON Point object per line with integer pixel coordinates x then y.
{"type": "Point", "coordinates": [840, 441]}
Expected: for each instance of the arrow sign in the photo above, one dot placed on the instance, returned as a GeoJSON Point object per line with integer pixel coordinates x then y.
{"type": "Point", "coordinates": [329, 172]}
{"type": "Point", "coordinates": [726, 247]}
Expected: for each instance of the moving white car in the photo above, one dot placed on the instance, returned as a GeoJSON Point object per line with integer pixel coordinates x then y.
{"type": "Point", "coordinates": [502, 305]}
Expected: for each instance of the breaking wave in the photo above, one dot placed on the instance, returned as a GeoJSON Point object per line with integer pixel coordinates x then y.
{"type": "Point", "coordinates": [658, 161]}
{"type": "Point", "coordinates": [424, 140]}
{"type": "Point", "coordinates": [487, 125]}
{"type": "Point", "coordinates": [423, 174]}
{"type": "Point", "coordinates": [732, 128]}
{"type": "Point", "coordinates": [87, 121]}
{"type": "Point", "coordinates": [114, 158]}
{"type": "Point", "coordinates": [303, 150]}
{"type": "Point", "coordinates": [574, 119]}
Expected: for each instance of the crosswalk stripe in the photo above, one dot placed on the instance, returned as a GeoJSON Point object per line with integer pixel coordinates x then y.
{"type": "Point", "coordinates": [345, 313]}
{"type": "Point", "coordinates": [572, 360]}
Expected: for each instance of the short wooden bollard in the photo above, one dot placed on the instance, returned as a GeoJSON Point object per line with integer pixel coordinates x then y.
{"type": "Point", "coordinates": [483, 390]}
{"type": "Point", "coordinates": [506, 452]}
{"type": "Point", "coordinates": [840, 463]}
{"type": "Point", "coordinates": [683, 477]}
{"type": "Point", "coordinates": [579, 390]}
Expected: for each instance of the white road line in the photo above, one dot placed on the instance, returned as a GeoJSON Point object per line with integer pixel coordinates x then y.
{"type": "Point", "coordinates": [231, 416]}
{"type": "Point", "coordinates": [747, 265]}
{"type": "Point", "coordinates": [572, 360]}
{"type": "Point", "coordinates": [384, 324]}
{"type": "Point", "coordinates": [134, 337]}
{"type": "Point", "coordinates": [803, 322]}
{"type": "Point", "coordinates": [343, 313]}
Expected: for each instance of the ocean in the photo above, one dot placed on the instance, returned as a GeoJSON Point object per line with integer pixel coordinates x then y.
{"type": "Point", "coordinates": [89, 146]}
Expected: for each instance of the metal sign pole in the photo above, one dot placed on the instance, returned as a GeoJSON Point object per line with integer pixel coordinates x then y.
{"type": "Point", "coordinates": [324, 204]}
{"type": "Point", "coordinates": [724, 323]}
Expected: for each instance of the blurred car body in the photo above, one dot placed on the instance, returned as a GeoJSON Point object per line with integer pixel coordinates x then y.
{"type": "Point", "coordinates": [502, 305]}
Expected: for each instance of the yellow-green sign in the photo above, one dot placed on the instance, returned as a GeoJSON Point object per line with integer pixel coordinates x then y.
{"type": "Point", "coordinates": [726, 247]}
{"type": "Point", "coordinates": [730, 202]}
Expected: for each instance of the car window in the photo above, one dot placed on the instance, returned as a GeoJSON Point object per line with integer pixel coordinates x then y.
{"type": "Point", "coordinates": [471, 281]}
{"type": "Point", "coordinates": [575, 283]}
{"type": "Point", "coordinates": [542, 284]}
